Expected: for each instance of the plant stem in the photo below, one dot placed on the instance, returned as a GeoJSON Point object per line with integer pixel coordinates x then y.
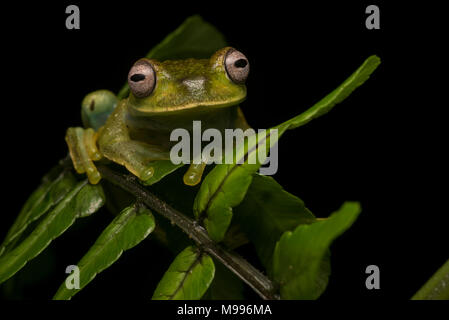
{"type": "Point", "coordinates": [231, 260]}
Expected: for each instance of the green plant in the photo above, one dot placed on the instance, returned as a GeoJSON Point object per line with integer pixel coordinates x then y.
{"type": "Point", "coordinates": [233, 205]}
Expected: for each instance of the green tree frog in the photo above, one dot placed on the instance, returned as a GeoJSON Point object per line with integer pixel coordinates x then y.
{"type": "Point", "coordinates": [164, 96]}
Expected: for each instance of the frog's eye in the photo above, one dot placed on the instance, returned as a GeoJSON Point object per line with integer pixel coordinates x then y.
{"type": "Point", "coordinates": [237, 66]}
{"type": "Point", "coordinates": [142, 79]}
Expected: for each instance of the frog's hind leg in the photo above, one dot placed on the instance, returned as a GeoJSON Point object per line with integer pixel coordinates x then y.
{"type": "Point", "coordinates": [83, 151]}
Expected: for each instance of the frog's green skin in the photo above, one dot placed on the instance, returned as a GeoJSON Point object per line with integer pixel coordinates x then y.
{"type": "Point", "coordinates": [137, 130]}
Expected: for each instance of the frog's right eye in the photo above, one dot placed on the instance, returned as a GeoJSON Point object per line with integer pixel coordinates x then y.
{"type": "Point", "coordinates": [142, 79]}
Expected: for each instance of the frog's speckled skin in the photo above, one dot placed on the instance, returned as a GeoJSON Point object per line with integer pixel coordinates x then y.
{"type": "Point", "coordinates": [137, 130]}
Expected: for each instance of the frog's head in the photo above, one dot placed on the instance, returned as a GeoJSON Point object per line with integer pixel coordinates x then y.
{"type": "Point", "coordinates": [170, 86]}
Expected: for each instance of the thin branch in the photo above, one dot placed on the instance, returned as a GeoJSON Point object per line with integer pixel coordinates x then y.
{"type": "Point", "coordinates": [231, 260]}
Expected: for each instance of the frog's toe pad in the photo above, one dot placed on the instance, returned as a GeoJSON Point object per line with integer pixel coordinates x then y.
{"type": "Point", "coordinates": [147, 173]}
{"type": "Point", "coordinates": [193, 175]}
{"type": "Point", "coordinates": [93, 176]}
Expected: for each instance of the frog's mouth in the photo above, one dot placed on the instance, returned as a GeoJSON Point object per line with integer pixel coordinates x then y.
{"type": "Point", "coordinates": [192, 107]}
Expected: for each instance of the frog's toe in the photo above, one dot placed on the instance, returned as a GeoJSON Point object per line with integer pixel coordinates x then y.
{"type": "Point", "coordinates": [147, 173]}
{"type": "Point", "coordinates": [82, 150]}
{"type": "Point", "coordinates": [93, 175]}
{"type": "Point", "coordinates": [193, 175]}
{"type": "Point", "coordinates": [90, 139]}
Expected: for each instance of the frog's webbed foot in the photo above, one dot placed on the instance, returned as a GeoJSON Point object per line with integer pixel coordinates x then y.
{"type": "Point", "coordinates": [83, 151]}
{"type": "Point", "coordinates": [135, 156]}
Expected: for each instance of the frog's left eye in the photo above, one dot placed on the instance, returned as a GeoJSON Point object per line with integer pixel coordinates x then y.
{"type": "Point", "coordinates": [237, 66]}
{"type": "Point", "coordinates": [142, 79]}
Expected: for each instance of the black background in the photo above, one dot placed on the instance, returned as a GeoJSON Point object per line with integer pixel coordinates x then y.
{"type": "Point", "coordinates": [380, 147]}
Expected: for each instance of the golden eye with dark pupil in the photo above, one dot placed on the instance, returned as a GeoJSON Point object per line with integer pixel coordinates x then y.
{"type": "Point", "coordinates": [142, 79]}
{"type": "Point", "coordinates": [236, 65]}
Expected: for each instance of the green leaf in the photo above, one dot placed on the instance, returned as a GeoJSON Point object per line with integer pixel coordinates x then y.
{"type": "Point", "coordinates": [437, 288]}
{"type": "Point", "coordinates": [187, 278]}
{"type": "Point", "coordinates": [222, 189]}
{"type": "Point", "coordinates": [84, 199]}
{"type": "Point", "coordinates": [298, 265]}
{"type": "Point", "coordinates": [55, 185]}
{"type": "Point", "coordinates": [226, 185]}
{"type": "Point", "coordinates": [194, 38]}
{"type": "Point", "coordinates": [127, 230]}
{"type": "Point", "coordinates": [267, 212]}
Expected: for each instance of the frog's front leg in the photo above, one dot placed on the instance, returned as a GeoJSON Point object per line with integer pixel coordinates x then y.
{"type": "Point", "coordinates": [83, 151]}
{"type": "Point", "coordinates": [134, 155]}
{"type": "Point", "coordinates": [115, 144]}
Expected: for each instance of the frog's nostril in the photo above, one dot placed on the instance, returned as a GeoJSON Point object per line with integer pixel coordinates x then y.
{"type": "Point", "coordinates": [240, 63]}
{"type": "Point", "coordinates": [137, 77]}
